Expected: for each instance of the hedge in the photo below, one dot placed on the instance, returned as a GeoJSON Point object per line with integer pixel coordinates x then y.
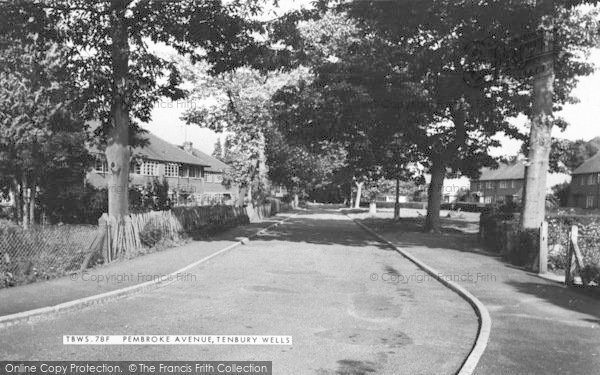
{"type": "Point", "coordinates": [501, 233]}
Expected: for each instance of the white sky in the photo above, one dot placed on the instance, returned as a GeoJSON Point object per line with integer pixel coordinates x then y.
{"type": "Point", "coordinates": [584, 117]}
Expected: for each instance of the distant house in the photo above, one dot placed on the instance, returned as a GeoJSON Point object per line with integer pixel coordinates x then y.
{"type": "Point", "coordinates": [193, 176]}
{"type": "Point", "coordinates": [584, 190]}
{"type": "Point", "coordinates": [501, 185]}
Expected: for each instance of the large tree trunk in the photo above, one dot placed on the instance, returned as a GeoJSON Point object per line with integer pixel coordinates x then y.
{"type": "Point", "coordinates": [434, 196]}
{"type": "Point", "coordinates": [117, 149]}
{"type": "Point", "coordinates": [359, 186]}
{"type": "Point", "coordinates": [540, 140]}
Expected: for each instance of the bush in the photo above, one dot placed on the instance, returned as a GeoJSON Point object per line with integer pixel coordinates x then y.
{"type": "Point", "coordinates": [76, 204]}
{"type": "Point", "coordinates": [559, 226]}
{"type": "Point", "coordinates": [560, 193]}
{"type": "Point", "coordinates": [465, 206]}
{"type": "Point", "coordinates": [499, 227]}
{"type": "Point", "coordinates": [526, 247]}
{"type": "Point", "coordinates": [591, 273]}
{"type": "Point", "coordinates": [413, 205]}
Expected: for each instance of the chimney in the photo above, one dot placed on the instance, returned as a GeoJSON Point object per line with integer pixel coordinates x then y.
{"type": "Point", "coordinates": [187, 147]}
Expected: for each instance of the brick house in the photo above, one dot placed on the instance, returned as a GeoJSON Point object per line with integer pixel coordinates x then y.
{"type": "Point", "coordinates": [193, 176]}
{"type": "Point", "coordinates": [501, 185]}
{"type": "Point", "coordinates": [584, 191]}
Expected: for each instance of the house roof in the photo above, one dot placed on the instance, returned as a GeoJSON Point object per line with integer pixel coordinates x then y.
{"type": "Point", "coordinates": [592, 165]}
{"type": "Point", "coordinates": [159, 149]}
{"type": "Point", "coordinates": [215, 165]}
{"type": "Point", "coordinates": [503, 172]}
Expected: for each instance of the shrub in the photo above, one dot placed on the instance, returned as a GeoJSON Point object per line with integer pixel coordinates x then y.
{"type": "Point", "coordinates": [559, 226]}
{"type": "Point", "coordinates": [591, 273]}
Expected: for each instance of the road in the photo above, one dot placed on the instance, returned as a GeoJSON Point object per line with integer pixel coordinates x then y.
{"type": "Point", "coordinates": [313, 278]}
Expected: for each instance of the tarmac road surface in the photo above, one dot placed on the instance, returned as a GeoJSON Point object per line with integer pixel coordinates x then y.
{"type": "Point", "coordinates": [351, 305]}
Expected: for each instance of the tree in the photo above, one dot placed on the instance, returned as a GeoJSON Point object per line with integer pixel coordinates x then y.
{"type": "Point", "coordinates": [42, 139]}
{"type": "Point", "coordinates": [566, 155]}
{"type": "Point", "coordinates": [218, 151]}
{"type": "Point", "coordinates": [122, 78]}
{"type": "Point", "coordinates": [241, 106]}
{"type": "Point", "coordinates": [298, 169]}
{"type": "Point", "coordinates": [462, 55]}
{"type": "Point", "coordinates": [346, 103]}
{"type": "Point", "coordinates": [561, 193]}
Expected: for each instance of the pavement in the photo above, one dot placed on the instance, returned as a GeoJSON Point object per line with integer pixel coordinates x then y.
{"type": "Point", "coordinates": [119, 274]}
{"type": "Point", "coordinates": [318, 277]}
{"type": "Point", "coordinates": [538, 326]}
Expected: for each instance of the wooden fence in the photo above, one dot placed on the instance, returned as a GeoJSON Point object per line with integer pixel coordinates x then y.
{"type": "Point", "coordinates": [135, 231]}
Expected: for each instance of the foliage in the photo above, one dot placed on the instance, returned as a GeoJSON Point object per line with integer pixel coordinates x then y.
{"type": "Point", "coordinates": [298, 169]}
{"type": "Point", "coordinates": [243, 110]}
{"type": "Point", "coordinates": [218, 150]}
{"type": "Point", "coordinates": [566, 155]}
{"type": "Point", "coordinates": [154, 196]}
{"type": "Point", "coordinates": [42, 139]}
{"type": "Point", "coordinates": [113, 60]}
{"type": "Point", "coordinates": [561, 193]}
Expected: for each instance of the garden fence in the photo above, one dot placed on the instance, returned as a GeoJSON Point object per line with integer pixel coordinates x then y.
{"type": "Point", "coordinates": [45, 252]}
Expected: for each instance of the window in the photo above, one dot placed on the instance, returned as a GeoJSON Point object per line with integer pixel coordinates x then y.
{"type": "Point", "coordinates": [503, 184]}
{"type": "Point", "coordinates": [590, 179]}
{"type": "Point", "coordinates": [513, 184]}
{"type": "Point", "coordinates": [184, 171]}
{"type": "Point", "coordinates": [489, 185]}
{"type": "Point", "coordinates": [589, 202]}
{"type": "Point", "coordinates": [100, 165]}
{"type": "Point", "coordinates": [135, 168]}
{"type": "Point", "coordinates": [150, 168]}
{"type": "Point", "coordinates": [209, 177]}
{"type": "Point", "coordinates": [487, 200]}
{"type": "Point", "coordinates": [171, 170]}
{"type": "Point", "coordinates": [193, 172]}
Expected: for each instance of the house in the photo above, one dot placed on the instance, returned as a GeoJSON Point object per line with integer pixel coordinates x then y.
{"type": "Point", "coordinates": [193, 176]}
{"type": "Point", "coordinates": [584, 191]}
{"type": "Point", "coordinates": [454, 187]}
{"type": "Point", "coordinates": [501, 185]}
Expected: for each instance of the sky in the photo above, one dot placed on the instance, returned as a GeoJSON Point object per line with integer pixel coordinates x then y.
{"type": "Point", "coordinates": [583, 117]}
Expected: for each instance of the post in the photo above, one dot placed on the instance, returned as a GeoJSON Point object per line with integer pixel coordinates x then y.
{"type": "Point", "coordinates": [103, 223]}
{"type": "Point", "coordinates": [570, 267]}
{"type": "Point", "coordinates": [543, 256]}
{"type": "Point", "coordinates": [372, 208]}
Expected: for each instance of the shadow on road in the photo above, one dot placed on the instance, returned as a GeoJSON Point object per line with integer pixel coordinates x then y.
{"type": "Point", "coordinates": [579, 299]}
{"type": "Point", "coordinates": [408, 234]}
